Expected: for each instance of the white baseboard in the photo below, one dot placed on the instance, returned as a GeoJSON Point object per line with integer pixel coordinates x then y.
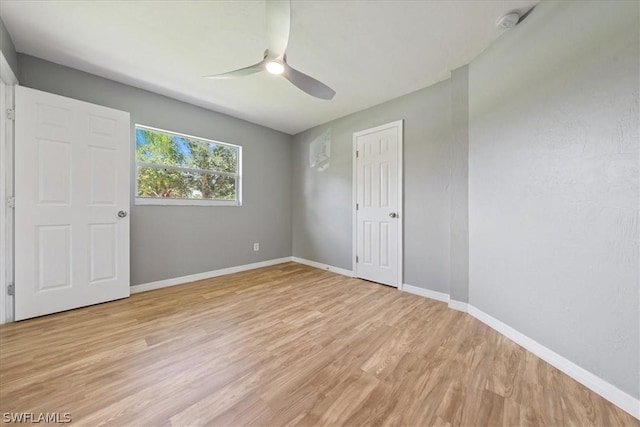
{"type": "Point", "coordinates": [321, 266]}
{"type": "Point", "coordinates": [608, 391]}
{"type": "Point", "coordinates": [206, 275]}
{"type": "Point", "coordinates": [459, 305]}
{"type": "Point", "coordinates": [215, 273]}
{"type": "Point", "coordinates": [613, 394]}
{"type": "Point", "coordinates": [427, 293]}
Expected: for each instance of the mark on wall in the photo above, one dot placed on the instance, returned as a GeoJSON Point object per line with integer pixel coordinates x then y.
{"type": "Point", "coordinates": [627, 132]}
{"type": "Point", "coordinates": [320, 151]}
{"type": "Point", "coordinates": [585, 160]}
{"type": "Point", "coordinates": [562, 133]}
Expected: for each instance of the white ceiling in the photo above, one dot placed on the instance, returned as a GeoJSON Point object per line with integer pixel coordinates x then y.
{"type": "Point", "coordinates": [367, 51]}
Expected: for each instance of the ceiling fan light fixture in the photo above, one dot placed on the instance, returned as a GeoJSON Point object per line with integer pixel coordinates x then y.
{"type": "Point", "coordinates": [275, 67]}
{"type": "Point", "coordinates": [278, 14]}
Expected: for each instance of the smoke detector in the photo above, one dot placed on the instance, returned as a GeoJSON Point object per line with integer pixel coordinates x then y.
{"type": "Point", "coordinates": [508, 20]}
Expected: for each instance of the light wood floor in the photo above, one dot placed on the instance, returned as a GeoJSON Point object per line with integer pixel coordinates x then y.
{"type": "Point", "coordinates": [284, 345]}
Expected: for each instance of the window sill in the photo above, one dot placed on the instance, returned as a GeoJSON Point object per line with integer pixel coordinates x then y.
{"type": "Point", "coordinates": [161, 201]}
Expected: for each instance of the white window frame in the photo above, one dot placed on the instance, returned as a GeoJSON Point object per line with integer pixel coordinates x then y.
{"type": "Point", "coordinates": [189, 202]}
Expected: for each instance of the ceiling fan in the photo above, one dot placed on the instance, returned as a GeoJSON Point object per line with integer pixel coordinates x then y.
{"type": "Point", "coordinates": [275, 57]}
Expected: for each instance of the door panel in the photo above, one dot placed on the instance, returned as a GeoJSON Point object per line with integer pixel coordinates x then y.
{"type": "Point", "coordinates": [103, 176]}
{"type": "Point", "coordinates": [54, 162]}
{"type": "Point", "coordinates": [378, 198]}
{"type": "Point", "coordinates": [71, 179]}
{"type": "Point", "coordinates": [104, 253]}
{"type": "Point", "coordinates": [53, 257]}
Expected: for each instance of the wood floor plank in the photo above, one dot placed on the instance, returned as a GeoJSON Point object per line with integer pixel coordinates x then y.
{"type": "Point", "coordinates": [286, 345]}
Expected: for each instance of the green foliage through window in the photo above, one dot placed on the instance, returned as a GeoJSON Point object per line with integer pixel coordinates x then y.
{"type": "Point", "coordinates": [178, 166]}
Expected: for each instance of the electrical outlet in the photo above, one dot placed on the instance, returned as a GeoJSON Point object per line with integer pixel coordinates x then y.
{"type": "Point", "coordinates": [256, 247]}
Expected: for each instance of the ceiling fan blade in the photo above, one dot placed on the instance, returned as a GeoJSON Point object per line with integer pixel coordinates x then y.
{"type": "Point", "coordinates": [278, 26]}
{"type": "Point", "coordinates": [307, 83]}
{"type": "Point", "coordinates": [252, 69]}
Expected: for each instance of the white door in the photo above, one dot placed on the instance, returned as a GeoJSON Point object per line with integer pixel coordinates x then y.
{"type": "Point", "coordinates": [378, 218]}
{"type": "Point", "coordinates": [71, 203]}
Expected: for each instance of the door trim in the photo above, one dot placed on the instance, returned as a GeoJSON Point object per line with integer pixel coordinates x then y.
{"type": "Point", "coordinates": [398, 124]}
{"type": "Point", "coordinates": [7, 80]}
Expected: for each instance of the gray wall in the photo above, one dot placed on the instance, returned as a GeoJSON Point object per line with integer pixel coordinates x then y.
{"type": "Point", "coordinates": [173, 241]}
{"type": "Point", "coordinates": [322, 201]}
{"type": "Point", "coordinates": [8, 49]}
{"type": "Point", "coordinates": [459, 194]}
{"type": "Point", "coordinates": [553, 171]}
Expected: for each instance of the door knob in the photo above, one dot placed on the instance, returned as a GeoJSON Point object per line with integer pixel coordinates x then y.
{"type": "Point", "coordinates": [122, 214]}
{"type": "Point", "coordinates": [393, 214]}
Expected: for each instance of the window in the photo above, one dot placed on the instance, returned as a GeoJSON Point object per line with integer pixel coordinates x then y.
{"type": "Point", "coordinates": [177, 169]}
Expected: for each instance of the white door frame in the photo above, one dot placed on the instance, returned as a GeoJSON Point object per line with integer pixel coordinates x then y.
{"type": "Point", "coordinates": [354, 225]}
{"type": "Point", "coordinates": [7, 80]}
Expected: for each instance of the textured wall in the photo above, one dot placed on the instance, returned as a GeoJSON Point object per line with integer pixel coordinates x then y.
{"type": "Point", "coordinates": [553, 171]}
{"type": "Point", "coordinates": [174, 241]}
{"type": "Point", "coordinates": [322, 201]}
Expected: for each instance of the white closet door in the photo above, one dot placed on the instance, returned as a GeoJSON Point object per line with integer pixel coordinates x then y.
{"type": "Point", "coordinates": [379, 196]}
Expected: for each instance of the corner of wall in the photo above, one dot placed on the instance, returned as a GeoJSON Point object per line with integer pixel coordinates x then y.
{"type": "Point", "coordinates": [8, 50]}
{"type": "Point", "coordinates": [459, 186]}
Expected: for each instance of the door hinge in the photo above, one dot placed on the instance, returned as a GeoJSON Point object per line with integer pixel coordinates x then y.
{"type": "Point", "coordinates": [357, 259]}
{"type": "Point", "coordinates": [357, 206]}
{"type": "Point", "coordinates": [11, 289]}
{"type": "Point", "coordinates": [11, 202]}
{"type": "Point", "coordinates": [357, 153]}
{"type": "Point", "coordinates": [11, 114]}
